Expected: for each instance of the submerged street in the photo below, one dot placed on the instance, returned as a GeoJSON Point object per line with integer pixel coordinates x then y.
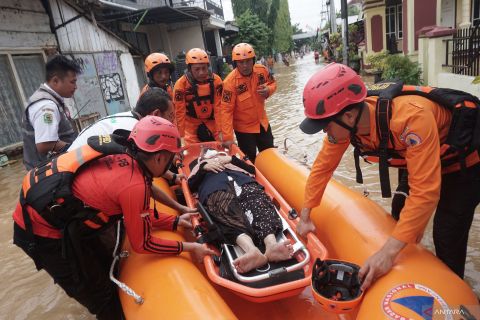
{"type": "Point", "coordinates": [28, 294]}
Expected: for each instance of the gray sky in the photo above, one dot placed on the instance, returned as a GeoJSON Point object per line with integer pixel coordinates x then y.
{"type": "Point", "coordinates": [305, 12]}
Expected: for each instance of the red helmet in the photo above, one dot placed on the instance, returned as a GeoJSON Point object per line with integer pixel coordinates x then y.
{"type": "Point", "coordinates": [327, 93]}
{"type": "Point", "coordinates": [335, 285]}
{"type": "Point", "coordinates": [153, 134]}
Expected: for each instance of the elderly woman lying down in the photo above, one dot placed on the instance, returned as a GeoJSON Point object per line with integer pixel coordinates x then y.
{"type": "Point", "coordinates": [239, 205]}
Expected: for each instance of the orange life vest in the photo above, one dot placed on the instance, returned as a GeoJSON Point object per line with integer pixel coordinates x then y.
{"type": "Point", "coordinates": [47, 188]}
{"type": "Point", "coordinates": [199, 106]}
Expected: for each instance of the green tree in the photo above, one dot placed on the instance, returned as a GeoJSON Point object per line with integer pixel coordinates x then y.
{"type": "Point", "coordinates": [253, 31]}
{"type": "Point", "coordinates": [282, 40]}
{"type": "Point", "coordinates": [259, 7]}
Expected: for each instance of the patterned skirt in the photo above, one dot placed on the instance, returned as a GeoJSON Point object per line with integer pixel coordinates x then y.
{"type": "Point", "coordinates": [252, 212]}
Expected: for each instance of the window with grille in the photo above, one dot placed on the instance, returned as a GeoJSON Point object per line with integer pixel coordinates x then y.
{"type": "Point", "coordinates": [475, 12]}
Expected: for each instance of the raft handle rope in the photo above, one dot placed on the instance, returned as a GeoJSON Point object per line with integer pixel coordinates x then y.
{"type": "Point", "coordinates": [305, 156]}
{"type": "Point", "coordinates": [117, 257]}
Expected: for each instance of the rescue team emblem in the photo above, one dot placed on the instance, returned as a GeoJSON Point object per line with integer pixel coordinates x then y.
{"type": "Point", "coordinates": [242, 88]}
{"type": "Point", "coordinates": [178, 95]}
{"type": "Point", "coordinates": [416, 301]}
{"type": "Point", "coordinates": [227, 96]}
{"type": "Point", "coordinates": [48, 118]}
{"type": "Point", "coordinates": [412, 139]}
{"type": "Point", "coordinates": [409, 138]}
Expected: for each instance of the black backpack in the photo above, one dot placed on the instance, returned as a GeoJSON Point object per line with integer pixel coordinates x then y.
{"type": "Point", "coordinates": [463, 137]}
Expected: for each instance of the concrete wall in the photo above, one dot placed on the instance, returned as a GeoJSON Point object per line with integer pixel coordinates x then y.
{"type": "Point", "coordinates": [185, 39]}
{"type": "Point", "coordinates": [128, 67]}
{"type": "Point", "coordinates": [459, 82]}
{"type": "Point", "coordinates": [431, 56]}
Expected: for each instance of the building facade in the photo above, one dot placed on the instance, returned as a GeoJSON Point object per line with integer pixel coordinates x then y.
{"type": "Point", "coordinates": [110, 38]}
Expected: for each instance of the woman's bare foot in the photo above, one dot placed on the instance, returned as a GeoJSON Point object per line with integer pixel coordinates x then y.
{"type": "Point", "coordinates": [279, 251]}
{"type": "Point", "coordinates": [249, 261]}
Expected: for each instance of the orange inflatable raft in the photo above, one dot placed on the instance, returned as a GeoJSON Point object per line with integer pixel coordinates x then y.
{"type": "Point", "coordinates": [350, 226]}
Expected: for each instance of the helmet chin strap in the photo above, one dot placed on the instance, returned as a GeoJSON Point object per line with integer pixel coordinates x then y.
{"type": "Point", "coordinates": [353, 130]}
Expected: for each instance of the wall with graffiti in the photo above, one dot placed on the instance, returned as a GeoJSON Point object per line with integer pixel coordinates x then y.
{"type": "Point", "coordinates": [101, 86]}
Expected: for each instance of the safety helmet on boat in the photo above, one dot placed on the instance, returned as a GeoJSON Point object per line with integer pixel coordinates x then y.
{"type": "Point", "coordinates": [242, 51]}
{"type": "Point", "coordinates": [196, 56]}
{"type": "Point", "coordinates": [327, 93]}
{"type": "Point", "coordinates": [157, 60]}
{"type": "Point", "coordinates": [335, 285]}
{"type": "Point", "coordinates": [153, 134]}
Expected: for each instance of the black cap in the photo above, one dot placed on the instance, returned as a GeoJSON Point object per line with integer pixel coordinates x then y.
{"type": "Point", "coordinates": [311, 126]}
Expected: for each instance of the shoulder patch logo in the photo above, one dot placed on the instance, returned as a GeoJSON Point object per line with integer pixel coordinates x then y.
{"type": "Point", "coordinates": [227, 96]}
{"type": "Point", "coordinates": [48, 118]}
{"type": "Point", "coordinates": [412, 139]}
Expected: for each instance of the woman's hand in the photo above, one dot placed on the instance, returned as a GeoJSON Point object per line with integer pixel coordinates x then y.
{"type": "Point", "coordinates": [214, 165]}
{"type": "Point", "coordinates": [224, 159]}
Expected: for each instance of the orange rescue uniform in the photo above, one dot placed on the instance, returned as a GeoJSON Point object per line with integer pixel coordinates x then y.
{"type": "Point", "coordinates": [168, 89]}
{"type": "Point", "coordinates": [243, 109]}
{"type": "Point", "coordinates": [418, 127]}
{"type": "Point", "coordinates": [205, 112]}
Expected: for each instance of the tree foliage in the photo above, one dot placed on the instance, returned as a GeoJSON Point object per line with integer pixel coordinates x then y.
{"type": "Point", "coordinates": [282, 40]}
{"type": "Point", "coordinates": [259, 7]}
{"type": "Point", "coordinates": [275, 16]}
{"type": "Point", "coordinates": [253, 31]}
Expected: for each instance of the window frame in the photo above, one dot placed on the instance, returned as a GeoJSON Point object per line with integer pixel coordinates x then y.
{"type": "Point", "coordinates": [18, 83]}
{"type": "Point", "coordinates": [397, 12]}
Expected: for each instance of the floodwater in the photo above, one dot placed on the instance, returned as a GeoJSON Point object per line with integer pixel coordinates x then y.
{"type": "Point", "coordinates": [28, 294]}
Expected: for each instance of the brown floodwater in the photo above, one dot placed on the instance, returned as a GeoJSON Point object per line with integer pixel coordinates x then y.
{"type": "Point", "coordinates": [28, 294]}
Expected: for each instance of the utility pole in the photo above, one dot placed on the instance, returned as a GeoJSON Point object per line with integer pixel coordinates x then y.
{"type": "Point", "coordinates": [333, 16]}
{"type": "Point", "coordinates": [344, 14]}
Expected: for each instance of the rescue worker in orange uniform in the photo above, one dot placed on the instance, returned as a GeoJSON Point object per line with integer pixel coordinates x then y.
{"type": "Point", "coordinates": [197, 97]}
{"type": "Point", "coordinates": [67, 206]}
{"type": "Point", "coordinates": [159, 70]}
{"type": "Point", "coordinates": [243, 102]}
{"type": "Point", "coordinates": [335, 101]}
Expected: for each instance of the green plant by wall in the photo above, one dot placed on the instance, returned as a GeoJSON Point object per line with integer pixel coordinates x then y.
{"type": "Point", "coordinates": [377, 60]}
{"type": "Point", "coordinates": [396, 66]}
{"type": "Point", "coordinates": [401, 67]}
